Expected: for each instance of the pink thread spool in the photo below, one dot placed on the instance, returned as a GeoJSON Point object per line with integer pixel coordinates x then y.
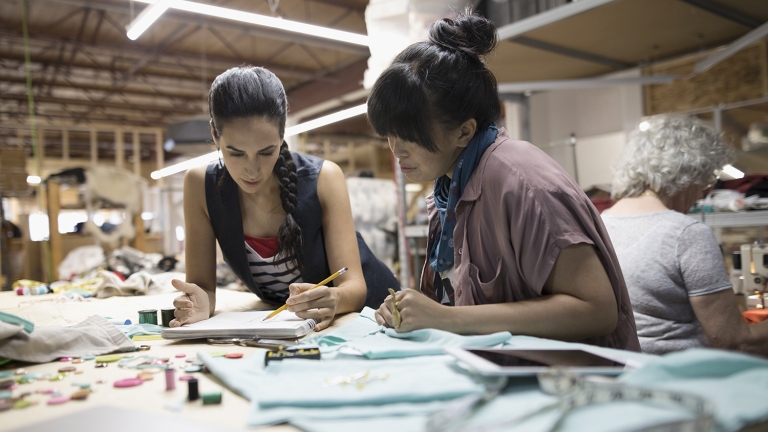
{"type": "Point", "coordinates": [170, 379]}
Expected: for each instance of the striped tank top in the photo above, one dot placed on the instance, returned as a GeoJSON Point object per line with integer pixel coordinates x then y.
{"type": "Point", "coordinates": [272, 275]}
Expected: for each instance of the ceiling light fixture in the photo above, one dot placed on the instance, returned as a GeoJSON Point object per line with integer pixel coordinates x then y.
{"type": "Point", "coordinates": [291, 131]}
{"type": "Point", "coordinates": [733, 171]}
{"type": "Point", "coordinates": [266, 21]}
{"type": "Point", "coordinates": [149, 15]}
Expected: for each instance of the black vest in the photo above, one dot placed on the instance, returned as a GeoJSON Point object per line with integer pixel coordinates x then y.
{"type": "Point", "coordinates": [226, 220]}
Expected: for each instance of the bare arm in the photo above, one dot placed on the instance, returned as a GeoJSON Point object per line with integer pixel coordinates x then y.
{"type": "Point", "coordinates": [349, 290]}
{"type": "Point", "coordinates": [199, 301]}
{"type": "Point", "coordinates": [724, 325]}
{"type": "Point", "coordinates": [577, 303]}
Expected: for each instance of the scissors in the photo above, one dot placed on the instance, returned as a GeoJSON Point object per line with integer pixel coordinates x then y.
{"type": "Point", "coordinates": [273, 344]}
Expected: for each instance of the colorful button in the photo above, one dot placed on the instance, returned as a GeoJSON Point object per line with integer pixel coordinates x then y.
{"type": "Point", "coordinates": [5, 374]}
{"type": "Point", "coordinates": [109, 358]}
{"type": "Point", "coordinates": [67, 369]}
{"type": "Point", "coordinates": [78, 361]}
{"type": "Point", "coordinates": [21, 371]}
{"type": "Point", "coordinates": [193, 368]}
{"type": "Point", "coordinates": [102, 365]}
{"type": "Point", "coordinates": [58, 400]}
{"type": "Point", "coordinates": [129, 382]}
{"type": "Point", "coordinates": [65, 359]}
{"type": "Point", "coordinates": [89, 357]}
{"type": "Point", "coordinates": [80, 395]}
{"type": "Point", "coordinates": [5, 394]}
{"type": "Point", "coordinates": [180, 355]}
{"type": "Point", "coordinates": [186, 377]}
{"type": "Point", "coordinates": [234, 355]}
{"type": "Point", "coordinates": [21, 404]}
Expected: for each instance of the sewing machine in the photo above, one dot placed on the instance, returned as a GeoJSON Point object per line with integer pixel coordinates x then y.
{"type": "Point", "coordinates": [754, 267]}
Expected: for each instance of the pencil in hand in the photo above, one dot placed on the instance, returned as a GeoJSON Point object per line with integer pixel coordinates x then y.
{"type": "Point", "coordinates": [325, 281]}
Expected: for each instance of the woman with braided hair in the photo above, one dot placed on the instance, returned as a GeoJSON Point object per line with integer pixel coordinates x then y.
{"type": "Point", "coordinates": [283, 220]}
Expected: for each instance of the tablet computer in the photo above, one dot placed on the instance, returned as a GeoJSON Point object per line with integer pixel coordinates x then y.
{"type": "Point", "coordinates": [521, 361]}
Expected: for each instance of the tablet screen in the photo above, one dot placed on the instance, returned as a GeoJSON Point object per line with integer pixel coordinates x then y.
{"type": "Point", "coordinates": [544, 358]}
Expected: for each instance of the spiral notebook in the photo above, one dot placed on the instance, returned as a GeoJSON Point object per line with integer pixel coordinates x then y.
{"type": "Point", "coordinates": [243, 325]}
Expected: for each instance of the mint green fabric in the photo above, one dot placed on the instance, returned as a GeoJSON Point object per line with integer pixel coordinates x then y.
{"type": "Point", "coordinates": [140, 329]}
{"type": "Point", "coordinates": [426, 342]}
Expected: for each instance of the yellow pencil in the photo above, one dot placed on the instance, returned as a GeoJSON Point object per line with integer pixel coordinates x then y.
{"type": "Point", "coordinates": [330, 278]}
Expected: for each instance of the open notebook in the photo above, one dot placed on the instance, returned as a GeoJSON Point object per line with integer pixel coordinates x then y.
{"type": "Point", "coordinates": [285, 325]}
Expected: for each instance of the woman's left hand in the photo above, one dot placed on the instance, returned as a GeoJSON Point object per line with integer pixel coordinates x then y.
{"type": "Point", "coordinates": [417, 311]}
{"type": "Point", "coordinates": [318, 304]}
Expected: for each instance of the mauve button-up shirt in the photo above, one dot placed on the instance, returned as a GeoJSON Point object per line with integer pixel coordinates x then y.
{"type": "Point", "coordinates": [518, 211]}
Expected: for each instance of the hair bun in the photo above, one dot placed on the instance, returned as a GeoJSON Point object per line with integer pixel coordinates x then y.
{"type": "Point", "coordinates": [468, 33]}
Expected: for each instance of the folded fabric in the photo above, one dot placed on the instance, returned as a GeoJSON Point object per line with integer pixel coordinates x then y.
{"type": "Point", "coordinates": [93, 336]}
{"type": "Point", "coordinates": [425, 342]}
{"type": "Point", "coordinates": [310, 389]}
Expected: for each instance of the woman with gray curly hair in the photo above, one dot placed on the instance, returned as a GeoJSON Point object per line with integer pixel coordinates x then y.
{"type": "Point", "coordinates": [674, 270]}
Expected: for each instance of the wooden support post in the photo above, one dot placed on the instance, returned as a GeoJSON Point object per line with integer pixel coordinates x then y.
{"type": "Point", "coordinates": [136, 153]}
{"type": "Point", "coordinates": [94, 147]}
{"type": "Point", "coordinates": [351, 150]}
{"type": "Point", "coordinates": [375, 159]}
{"type": "Point", "coordinates": [65, 145]}
{"type": "Point", "coordinates": [53, 227]}
{"type": "Point", "coordinates": [40, 146]}
{"type": "Point", "coordinates": [119, 148]}
{"type": "Point", "coordinates": [159, 153]}
{"type": "Point", "coordinates": [139, 241]}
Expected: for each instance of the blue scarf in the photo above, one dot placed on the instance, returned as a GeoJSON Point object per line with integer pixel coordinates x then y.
{"type": "Point", "coordinates": [447, 194]}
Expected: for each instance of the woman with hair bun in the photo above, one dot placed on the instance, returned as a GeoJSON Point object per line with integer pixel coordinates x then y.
{"type": "Point", "coordinates": [283, 220]}
{"type": "Point", "coordinates": [680, 291]}
{"type": "Point", "coordinates": [514, 244]}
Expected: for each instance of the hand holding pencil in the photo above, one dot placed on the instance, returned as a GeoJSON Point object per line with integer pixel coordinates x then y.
{"type": "Point", "coordinates": [320, 284]}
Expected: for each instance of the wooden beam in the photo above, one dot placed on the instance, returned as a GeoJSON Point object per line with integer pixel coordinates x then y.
{"type": "Point", "coordinates": [159, 153]}
{"type": "Point", "coordinates": [94, 148]}
{"type": "Point", "coordinates": [54, 237]}
{"type": "Point", "coordinates": [136, 154]}
{"type": "Point", "coordinates": [65, 145]}
{"type": "Point", "coordinates": [119, 150]}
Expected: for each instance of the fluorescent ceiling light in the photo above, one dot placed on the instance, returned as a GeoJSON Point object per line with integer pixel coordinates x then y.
{"type": "Point", "coordinates": [267, 21]}
{"type": "Point", "coordinates": [291, 131]}
{"type": "Point", "coordinates": [34, 179]}
{"type": "Point", "coordinates": [149, 15]}
{"type": "Point", "coordinates": [568, 84]}
{"type": "Point", "coordinates": [733, 171]}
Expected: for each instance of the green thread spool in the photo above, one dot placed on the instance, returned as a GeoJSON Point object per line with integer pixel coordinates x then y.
{"type": "Point", "coordinates": [148, 316]}
{"type": "Point", "coordinates": [213, 398]}
{"type": "Point", "coordinates": [167, 315]}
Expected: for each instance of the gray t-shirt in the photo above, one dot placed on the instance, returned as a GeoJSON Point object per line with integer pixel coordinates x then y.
{"type": "Point", "coordinates": [667, 257]}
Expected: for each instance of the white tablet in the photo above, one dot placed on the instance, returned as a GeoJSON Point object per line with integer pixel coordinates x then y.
{"type": "Point", "coordinates": [520, 362]}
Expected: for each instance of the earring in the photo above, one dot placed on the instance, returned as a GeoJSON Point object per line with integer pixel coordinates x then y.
{"type": "Point", "coordinates": [218, 151]}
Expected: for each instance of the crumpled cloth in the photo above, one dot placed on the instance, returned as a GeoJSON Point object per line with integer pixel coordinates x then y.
{"type": "Point", "coordinates": [94, 336]}
{"type": "Point", "coordinates": [137, 284]}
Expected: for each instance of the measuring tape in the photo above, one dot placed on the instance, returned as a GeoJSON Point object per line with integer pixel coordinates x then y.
{"type": "Point", "coordinates": [574, 391]}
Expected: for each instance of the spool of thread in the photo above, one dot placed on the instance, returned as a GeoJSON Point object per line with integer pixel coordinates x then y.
{"type": "Point", "coordinates": [148, 316]}
{"type": "Point", "coordinates": [170, 379]}
{"type": "Point", "coordinates": [35, 290]}
{"type": "Point", "coordinates": [213, 398]}
{"type": "Point", "coordinates": [194, 392]}
{"type": "Point", "coordinates": [118, 321]}
{"type": "Point", "coordinates": [167, 315]}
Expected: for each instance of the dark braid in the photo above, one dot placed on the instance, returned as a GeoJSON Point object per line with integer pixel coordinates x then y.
{"type": "Point", "coordinates": [289, 235]}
